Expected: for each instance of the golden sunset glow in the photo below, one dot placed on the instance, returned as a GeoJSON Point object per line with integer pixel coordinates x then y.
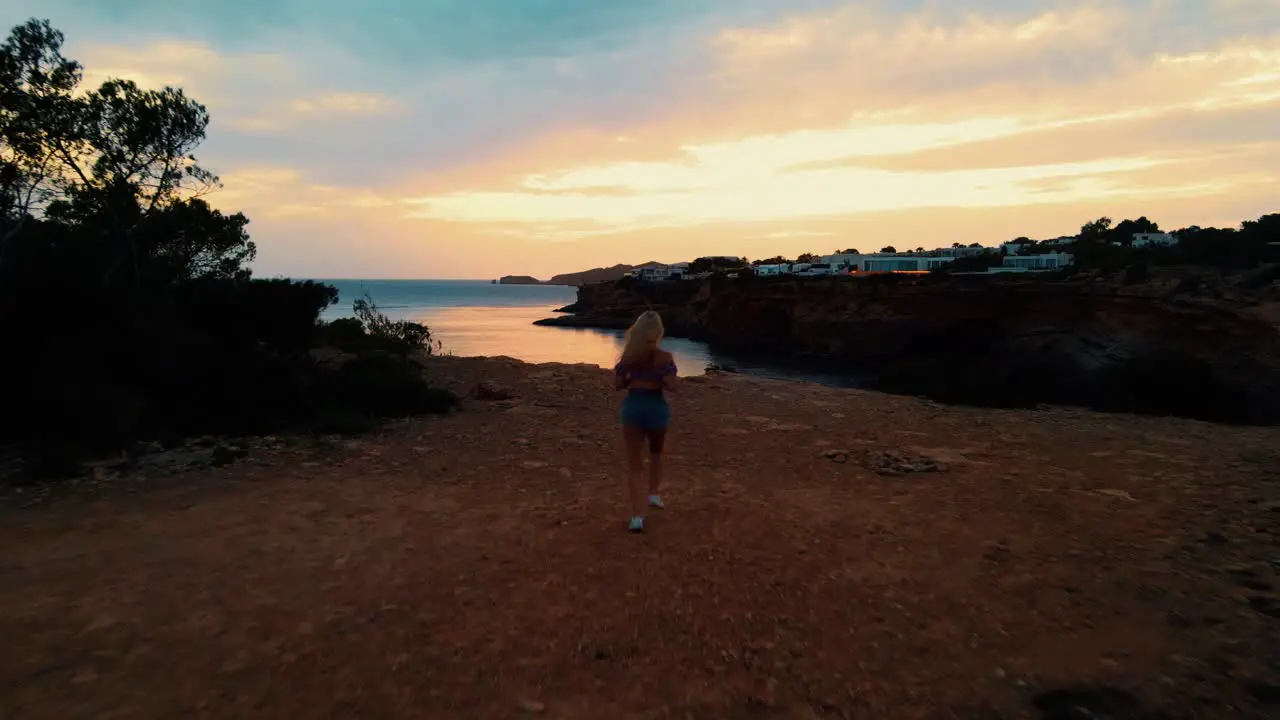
{"type": "Point", "coordinates": [844, 127]}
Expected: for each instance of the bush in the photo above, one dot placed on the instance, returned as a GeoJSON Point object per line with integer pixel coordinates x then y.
{"type": "Point", "coordinates": [345, 334]}
{"type": "Point", "coordinates": [378, 384]}
{"type": "Point", "coordinates": [402, 336]}
{"type": "Point", "coordinates": [371, 330]}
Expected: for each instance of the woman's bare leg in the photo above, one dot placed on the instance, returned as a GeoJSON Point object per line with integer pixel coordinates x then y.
{"type": "Point", "coordinates": [635, 438]}
{"type": "Point", "coordinates": [657, 438]}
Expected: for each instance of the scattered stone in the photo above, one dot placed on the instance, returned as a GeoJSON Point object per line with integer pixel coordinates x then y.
{"type": "Point", "coordinates": [146, 448]}
{"type": "Point", "coordinates": [837, 456]}
{"type": "Point", "coordinates": [226, 454]}
{"type": "Point", "coordinates": [1213, 537]}
{"type": "Point", "coordinates": [1264, 692]}
{"type": "Point", "coordinates": [895, 463]}
{"type": "Point", "coordinates": [533, 707]}
{"type": "Point", "coordinates": [533, 464]}
{"type": "Point", "coordinates": [996, 552]}
{"type": "Point", "coordinates": [1266, 605]}
{"type": "Point", "coordinates": [1112, 492]}
{"type": "Point", "coordinates": [1090, 703]}
{"type": "Point", "coordinates": [485, 390]}
{"type": "Point", "coordinates": [1248, 578]}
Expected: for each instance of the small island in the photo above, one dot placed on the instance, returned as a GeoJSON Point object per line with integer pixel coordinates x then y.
{"type": "Point", "coordinates": [518, 280]}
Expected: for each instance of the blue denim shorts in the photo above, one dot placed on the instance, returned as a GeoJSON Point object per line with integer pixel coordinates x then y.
{"type": "Point", "coordinates": [646, 409]}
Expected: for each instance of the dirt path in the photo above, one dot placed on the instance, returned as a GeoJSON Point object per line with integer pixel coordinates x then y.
{"type": "Point", "coordinates": [476, 566]}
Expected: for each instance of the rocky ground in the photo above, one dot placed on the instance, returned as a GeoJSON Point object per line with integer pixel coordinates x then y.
{"type": "Point", "coordinates": [825, 553]}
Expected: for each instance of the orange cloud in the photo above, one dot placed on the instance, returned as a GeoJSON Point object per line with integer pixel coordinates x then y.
{"type": "Point", "coordinates": [829, 116]}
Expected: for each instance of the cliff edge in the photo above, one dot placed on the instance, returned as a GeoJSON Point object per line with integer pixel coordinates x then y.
{"type": "Point", "coordinates": [994, 341]}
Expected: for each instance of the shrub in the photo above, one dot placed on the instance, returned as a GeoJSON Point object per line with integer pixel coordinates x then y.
{"type": "Point", "coordinates": [398, 336]}
{"type": "Point", "coordinates": [346, 334]}
{"type": "Point", "coordinates": [379, 384]}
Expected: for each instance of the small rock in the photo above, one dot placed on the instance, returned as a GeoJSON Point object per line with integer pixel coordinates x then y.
{"type": "Point", "coordinates": [566, 473]}
{"type": "Point", "coordinates": [893, 463]}
{"type": "Point", "coordinates": [1213, 537]}
{"type": "Point", "coordinates": [1268, 606]}
{"type": "Point", "coordinates": [533, 464]}
{"type": "Point", "coordinates": [489, 391]}
{"type": "Point", "coordinates": [1112, 492]}
{"type": "Point", "coordinates": [226, 454]}
{"type": "Point", "coordinates": [533, 707]}
{"type": "Point", "coordinates": [1264, 692]}
{"type": "Point", "coordinates": [836, 456]}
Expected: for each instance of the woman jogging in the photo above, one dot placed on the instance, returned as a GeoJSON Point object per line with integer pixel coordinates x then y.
{"type": "Point", "coordinates": [645, 371]}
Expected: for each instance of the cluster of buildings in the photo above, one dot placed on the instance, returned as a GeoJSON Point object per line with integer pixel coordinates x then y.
{"type": "Point", "coordinates": [1012, 260]}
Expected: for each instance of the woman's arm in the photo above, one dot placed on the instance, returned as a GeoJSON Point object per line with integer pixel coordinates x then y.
{"type": "Point", "coordinates": [669, 372]}
{"type": "Point", "coordinates": [669, 383]}
{"type": "Point", "coordinates": [621, 379]}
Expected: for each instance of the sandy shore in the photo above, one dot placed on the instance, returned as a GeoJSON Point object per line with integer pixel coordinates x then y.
{"type": "Point", "coordinates": [476, 566]}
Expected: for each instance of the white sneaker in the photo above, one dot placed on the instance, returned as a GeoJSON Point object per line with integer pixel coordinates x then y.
{"type": "Point", "coordinates": [656, 501]}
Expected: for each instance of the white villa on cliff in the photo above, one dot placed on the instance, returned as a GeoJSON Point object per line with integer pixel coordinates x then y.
{"type": "Point", "coordinates": [852, 263]}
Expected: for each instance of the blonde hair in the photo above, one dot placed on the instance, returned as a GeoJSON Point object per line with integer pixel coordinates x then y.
{"type": "Point", "coordinates": [642, 338]}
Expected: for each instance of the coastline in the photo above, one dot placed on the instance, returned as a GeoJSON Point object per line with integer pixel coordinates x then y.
{"type": "Point", "coordinates": [995, 341]}
{"type": "Point", "coordinates": [1018, 565]}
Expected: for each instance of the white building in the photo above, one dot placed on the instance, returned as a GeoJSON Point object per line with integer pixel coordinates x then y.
{"type": "Point", "coordinates": [652, 273]}
{"type": "Point", "coordinates": [1146, 239]}
{"type": "Point", "coordinates": [819, 268]}
{"type": "Point", "coordinates": [1013, 246]}
{"type": "Point", "coordinates": [775, 269]}
{"type": "Point", "coordinates": [843, 261]}
{"type": "Point", "coordinates": [1034, 263]}
{"type": "Point", "coordinates": [903, 263]}
{"type": "Point", "coordinates": [659, 273]}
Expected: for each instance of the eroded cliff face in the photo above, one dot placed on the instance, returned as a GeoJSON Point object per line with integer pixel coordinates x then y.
{"type": "Point", "coordinates": [992, 341]}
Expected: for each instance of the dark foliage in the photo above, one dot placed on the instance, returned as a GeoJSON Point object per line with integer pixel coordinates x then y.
{"type": "Point", "coordinates": [1103, 247]}
{"type": "Point", "coordinates": [372, 331]}
{"type": "Point", "coordinates": [702, 265]}
{"type": "Point", "coordinates": [127, 307]}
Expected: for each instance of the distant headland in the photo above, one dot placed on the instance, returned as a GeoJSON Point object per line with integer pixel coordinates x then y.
{"type": "Point", "coordinates": [574, 279]}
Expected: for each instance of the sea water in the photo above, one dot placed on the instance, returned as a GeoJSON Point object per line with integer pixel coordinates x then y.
{"type": "Point", "coordinates": [478, 318]}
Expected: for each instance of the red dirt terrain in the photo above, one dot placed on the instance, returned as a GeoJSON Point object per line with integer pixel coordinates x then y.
{"type": "Point", "coordinates": [1053, 563]}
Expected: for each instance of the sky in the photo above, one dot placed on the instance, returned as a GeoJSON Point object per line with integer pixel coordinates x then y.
{"type": "Point", "coordinates": [480, 138]}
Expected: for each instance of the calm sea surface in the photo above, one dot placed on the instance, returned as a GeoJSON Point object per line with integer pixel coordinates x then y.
{"type": "Point", "coordinates": [477, 318]}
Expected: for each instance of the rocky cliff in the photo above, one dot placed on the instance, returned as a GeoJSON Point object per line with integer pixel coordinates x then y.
{"type": "Point", "coordinates": [993, 341]}
{"type": "Point", "coordinates": [596, 275]}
